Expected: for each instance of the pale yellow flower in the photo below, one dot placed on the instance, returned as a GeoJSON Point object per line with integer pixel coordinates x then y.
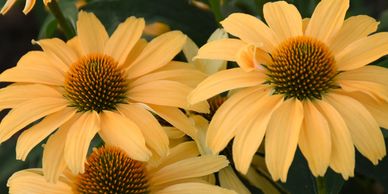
{"type": "Point", "coordinates": [301, 83]}
{"type": "Point", "coordinates": [111, 170]}
{"type": "Point", "coordinates": [98, 84]}
{"type": "Point", "coordinates": [27, 8]}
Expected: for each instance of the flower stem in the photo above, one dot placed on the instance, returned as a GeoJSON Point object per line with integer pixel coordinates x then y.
{"type": "Point", "coordinates": [321, 185]}
{"type": "Point", "coordinates": [58, 14]}
{"type": "Point", "coordinates": [215, 6]}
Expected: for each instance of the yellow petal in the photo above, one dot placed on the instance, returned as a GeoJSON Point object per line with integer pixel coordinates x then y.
{"type": "Point", "coordinates": [187, 76]}
{"type": "Point", "coordinates": [232, 116]}
{"type": "Point", "coordinates": [261, 181]}
{"type": "Point", "coordinates": [32, 181]}
{"type": "Point", "coordinates": [31, 137]}
{"type": "Point", "coordinates": [91, 33]}
{"type": "Point", "coordinates": [43, 59]}
{"type": "Point", "coordinates": [28, 6]}
{"type": "Point", "coordinates": [190, 49]}
{"type": "Point", "coordinates": [249, 138]}
{"type": "Point", "coordinates": [75, 44]}
{"type": "Point", "coordinates": [124, 39]}
{"type": "Point", "coordinates": [365, 131]}
{"type": "Point", "coordinates": [305, 23]}
{"type": "Point", "coordinates": [223, 81]}
{"type": "Point", "coordinates": [157, 53]}
{"type": "Point", "coordinates": [327, 19]}
{"type": "Point", "coordinates": [284, 19]}
{"type": "Point", "coordinates": [78, 139]}
{"type": "Point", "coordinates": [165, 93]}
{"type": "Point", "coordinates": [229, 180]}
{"type": "Point", "coordinates": [28, 112]}
{"type": "Point", "coordinates": [342, 159]}
{"type": "Point", "coordinates": [180, 152]}
{"type": "Point", "coordinates": [251, 58]}
{"type": "Point", "coordinates": [53, 160]}
{"type": "Point", "coordinates": [154, 135]}
{"type": "Point", "coordinates": [363, 52]}
{"type": "Point", "coordinates": [314, 140]}
{"type": "Point", "coordinates": [122, 132]}
{"type": "Point", "coordinates": [33, 73]}
{"type": "Point", "coordinates": [58, 53]}
{"type": "Point", "coordinates": [175, 117]}
{"type": "Point", "coordinates": [15, 94]}
{"type": "Point", "coordinates": [251, 30]}
{"type": "Point", "coordinates": [188, 168]}
{"type": "Point", "coordinates": [224, 49]}
{"type": "Point", "coordinates": [135, 52]}
{"type": "Point", "coordinates": [368, 73]}
{"type": "Point", "coordinates": [282, 138]}
{"type": "Point", "coordinates": [8, 4]}
{"type": "Point", "coordinates": [375, 90]}
{"type": "Point", "coordinates": [353, 29]}
{"type": "Point", "coordinates": [194, 188]}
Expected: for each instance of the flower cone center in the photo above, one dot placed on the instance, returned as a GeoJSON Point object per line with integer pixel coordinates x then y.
{"type": "Point", "coordinates": [302, 68]}
{"type": "Point", "coordinates": [95, 82]}
{"type": "Point", "coordinates": [110, 170]}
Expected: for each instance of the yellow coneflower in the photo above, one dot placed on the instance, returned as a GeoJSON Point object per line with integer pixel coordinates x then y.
{"type": "Point", "coordinates": [111, 170]}
{"type": "Point", "coordinates": [100, 85]}
{"type": "Point", "coordinates": [27, 7]}
{"type": "Point", "coordinates": [300, 82]}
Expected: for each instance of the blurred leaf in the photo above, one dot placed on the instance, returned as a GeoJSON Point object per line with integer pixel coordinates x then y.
{"type": "Point", "coordinates": [384, 21]}
{"type": "Point", "coordinates": [49, 28]}
{"type": "Point", "coordinates": [179, 15]}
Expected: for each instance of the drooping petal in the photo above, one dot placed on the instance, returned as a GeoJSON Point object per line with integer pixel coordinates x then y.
{"type": "Point", "coordinates": [365, 131]}
{"type": "Point", "coordinates": [249, 138]}
{"type": "Point", "coordinates": [175, 117]}
{"type": "Point", "coordinates": [342, 159]}
{"type": "Point", "coordinates": [8, 4]}
{"type": "Point", "coordinates": [314, 140]}
{"type": "Point", "coordinates": [363, 52]}
{"type": "Point", "coordinates": [230, 117]}
{"type": "Point", "coordinates": [224, 49]}
{"type": "Point", "coordinates": [53, 160]}
{"type": "Point", "coordinates": [78, 139]}
{"type": "Point", "coordinates": [194, 188]}
{"type": "Point", "coordinates": [229, 180]}
{"type": "Point", "coordinates": [157, 53]}
{"type": "Point", "coordinates": [28, 6]}
{"type": "Point", "coordinates": [153, 133]}
{"type": "Point", "coordinates": [327, 19]}
{"type": "Point", "coordinates": [15, 94]}
{"type": "Point", "coordinates": [122, 132]}
{"type": "Point", "coordinates": [282, 137]}
{"type": "Point", "coordinates": [223, 81]}
{"type": "Point", "coordinates": [165, 93]}
{"type": "Point", "coordinates": [31, 137]}
{"type": "Point", "coordinates": [124, 39]}
{"type": "Point", "coordinates": [32, 181]}
{"type": "Point", "coordinates": [92, 34]}
{"type": "Point", "coordinates": [28, 112]}
{"type": "Point", "coordinates": [284, 19]}
{"type": "Point", "coordinates": [251, 30]}
{"type": "Point", "coordinates": [353, 29]}
{"type": "Point", "coordinates": [376, 107]}
{"type": "Point", "coordinates": [188, 168]}
{"type": "Point", "coordinates": [251, 58]}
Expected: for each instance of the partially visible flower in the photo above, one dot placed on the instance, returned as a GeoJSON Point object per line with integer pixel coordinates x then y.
{"type": "Point", "coordinates": [111, 170]}
{"type": "Point", "coordinates": [96, 84]}
{"type": "Point", "coordinates": [156, 29]}
{"type": "Point", "coordinates": [301, 83]}
{"type": "Point", "coordinates": [27, 8]}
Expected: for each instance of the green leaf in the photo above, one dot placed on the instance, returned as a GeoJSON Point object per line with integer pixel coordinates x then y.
{"type": "Point", "coordinates": [179, 15]}
{"type": "Point", "coordinates": [384, 21]}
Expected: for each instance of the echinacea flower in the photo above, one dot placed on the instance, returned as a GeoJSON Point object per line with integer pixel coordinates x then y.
{"type": "Point", "coordinates": [98, 84]}
{"type": "Point", "coordinates": [27, 8]}
{"type": "Point", "coordinates": [299, 83]}
{"type": "Point", "coordinates": [111, 170]}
